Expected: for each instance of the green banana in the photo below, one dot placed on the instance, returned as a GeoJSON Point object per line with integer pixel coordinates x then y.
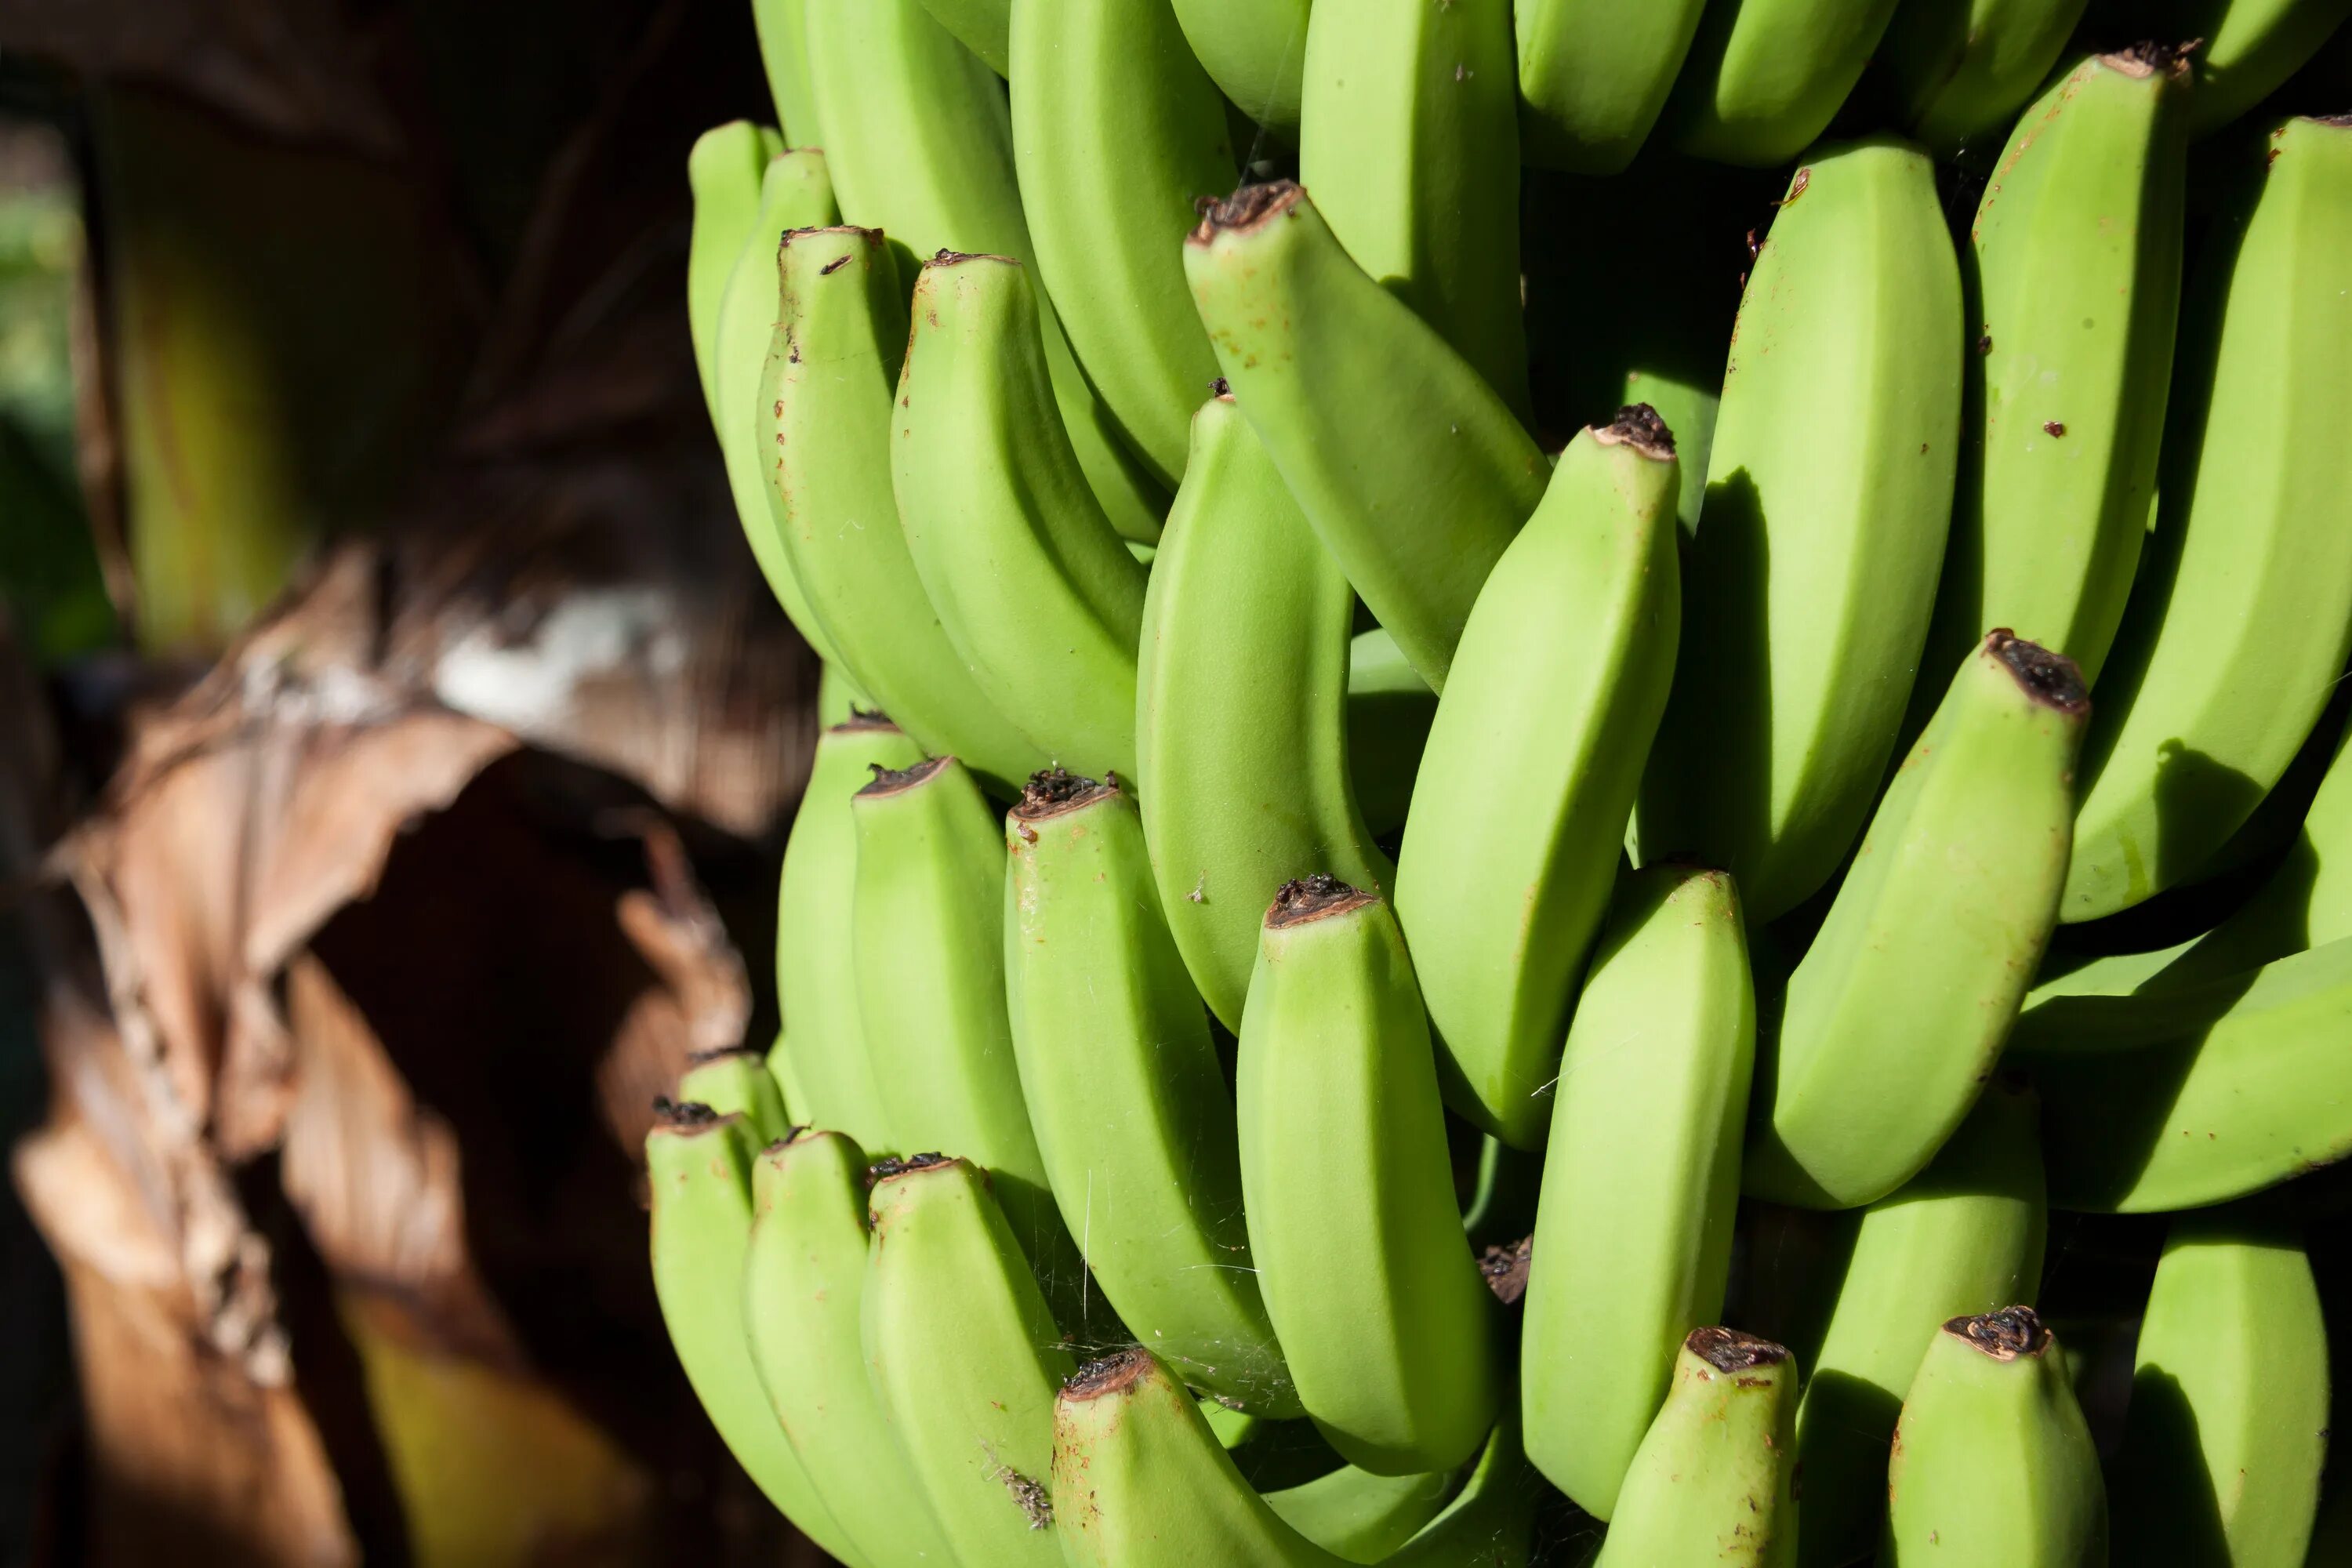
{"type": "Point", "coordinates": [2193, 1096]}
{"type": "Point", "coordinates": [922, 142]}
{"type": "Point", "coordinates": [795, 194]}
{"type": "Point", "coordinates": [781, 1068]}
{"type": "Point", "coordinates": [781, 28]}
{"type": "Point", "coordinates": [1634, 1230]}
{"type": "Point", "coordinates": [1500, 899]}
{"type": "Point", "coordinates": [838, 697]}
{"type": "Point", "coordinates": [965, 1359]}
{"type": "Point", "coordinates": [1254, 51]}
{"type": "Point", "coordinates": [2242, 615]}
{"type": "Point", "coordinates": [1243, 724]}
{"type": "Point", "coordinates": [1421, 475]}
{"type": "Point", "coordinates": [983, 26]}
{"type": "Point", "coordinates": [1125, 1092]}
{"type": "Point", "coordinates": [1808, 591]}
{"type": "Point", "coordinates": [1491, 1521]}
{"type": "Point", "coordinates": [1089, 74]}
{"type": "Point", "coordinates": [2082, 225]}
{"type": "Point", "coordinates": [1964, 1235]}
{"type": "Point", "coordinates": [804, 1283]}
{"type": "Point", "coordinates": [1359, 1517]}
{"type": "Point", "coordinates": [1389, 709]}
{"type": "Point", "coordinates": [1898, 1010]}
{"type": "Point", "coordinates": [1370, 1284]}
{"type": "Point", "coordinates": [1408, 137]}
{"type": "Point", "coordinates": [824, 1050]}
{"type": "Point", "coordinates": [1763, 78]}
{"type": "Point", "coordinates": [1593, 77]}
{"type": "Point", "coordinates": [723, 172]}
{"type": "Point", "coordinates": [830, 380]}
{"type": "Point", "coordinates": [1031, 584]}
{"type": "Point", "coordinates": [2249, 46]}
{"type": "Point", "coordinates": [1992, 1463]}
{"type": "Point", "coordinates": [1957, 71]}
{"type": "Point", "coordinates": [1712, 1479]}
{"type": "Point", "coordinates": [736, 1083]}
{"type": "Point", "coordinates": [699, 1171]}
{"type": "Point", "coordinates": [927, 946]}
{"type": "Point", "coordinates": [2229, 1407]}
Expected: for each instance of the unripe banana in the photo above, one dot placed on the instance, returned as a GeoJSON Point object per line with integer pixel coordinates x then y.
{"type": "Point", "coordinates": [723, 172]}
{"type": "Point", "coordinates": [1389, 709]}
{"type": "Point", "coordinates": [2242, 615]}
{"type": "Point", "coordinates": [1763, 78]}
{"type": "Point", "coordinates": [2229, 1408]}
{"type": "Point", "coordinates": [983, 26]}
{"type": "Point", "coordinates": [1410, 139]}
{"type": "Point", "coordinates": [699, 1171]}
{"type": "Point", "coordinates": [1491, 1521]}
{"type": "Point", "coordinates": [828, 392]}
{"type": "Point", "coordinates": [1962, 1237]}
{"type": "Point", "coordinates": [1254, 50]}
{"type": "Point", "coordinates": [1958, 70]}
{"type": "Point", "coordinates": [966, 1359]}
{"type": "Point", "coordinates": [2197, 1096]}
{"type": "Point", "coordinates": [1419, 477]}
{"type": "Point", "coordinates": [1993, 1467]}
{"type": "Point", "coordinates": [782, 29]}
{"type": "Point", "coordinates": [1512, 843]}
{"type": "Point", "coordinates": [1031, 584]}
{"type": "Point", "coordinates": [1092, 75]}
{"type": "Point", "coordinates": [1359, 1517]}
{"type": "Point", "coordinates": [2074, 278]}
{"type": "Point", "coordinates": [838, 697]}
{"type": "Point", "coordinates": [1387, 1326]}
{"type": "Point", "coordinates": [1593, 77]}
{"type": "Point", "coordinates": [804, 1283]}
{"type": "Point", "coordinates": [1632, 1238]}
{"type": "Point", "coordinates": [1711, 1482]}
{"type": "Point", "coordinates": [1807, 592]}
{"type": "Point", "coordinates": [1899, 1009]}
{"type": "Point", "coordinates": [736, 1083]}
{"type": "Point", "coordinates": [1125, 1092]}
{"type": "Point", "coordinates": [833, 1075]}
{"type": "Point", "coordinates": [2250, 46]}
{"type": "Point", "coordinates": [1243, 726]}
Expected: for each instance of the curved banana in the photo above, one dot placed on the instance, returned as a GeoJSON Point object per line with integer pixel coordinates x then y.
{"type": "Point", "coordinates": [922, 144]}
{"type": "Point", "coordinates": [804, 1283]}
{"type": "Point", "coordinates": [2242, 615]}
{"type": "Point", "coordinates": [1899, 1009]}
{"type": "Point", "coordinates": [1387, 1325]}
{"type": "Point", "coordinates": [737, 1082]}
{"type": "Point", "coordinates": [1711, 1481]}
{"type": "Point", "coordinates": [1763, 78]}
{"type": "Point", "coordinates": [783, 31]}
{"type": "Point", "coordinates": [699, 1171]}
{"type": "Point", "coordinates": [1419, 477]}
{"type": "Point", "coordinates": [1125, 1092]}
{"type": "Point", "coordinates": [829, 400]}
{"type": "Point", "coordinates": [838, 697]}
{"type": "Point", "coordinates": [1512, 842]}
{"type": "Point", "coordinates": [983, 26]}
{"type": "Point", "coordinates": [2081, 225]}
{"type": "Point", "coordinates": [2194, 1096]}
{"type": "Point", "coordinates": [1993, 1467]}
{"type": "Point", "coordinates": [1593, 77]}
{"type": "Point", "coordinates": [1491, 1521]}
{"type": "Point", "coordinates": [1093, 75]}
{"type": "Point", "coordinates": [1408, 137]}
{"type": "Point", "coordinates": [824, 1051]}
{"type": "Point", "coordinates": [965, 1358]}
{"type": "Point", "coordinates": [2250, 46]}
{"type": "Point", "coordinates": [1243, 728]}
{"type": "Point", "coordinates": [1389, 709]}
{"type": "Point", "coordinates": [1031, 584]}
{"type": "Point", "coordinates": [1807, 593]}
{"type": "Point", "coordinates": [1632, 1238]}
{"type": "Point", "coordinates": [1957, 71]}
{"type": "Point", "coordinates": [1254, 51]}
{"type": "Point", "coordinates": [2229, 1407]}
{"type": "Point", "coordinates": [1359, 1517]}
{"type": "Point", "coordinates": [723, 172]}
{"type": "Point", "coordinates": [1962, 1237]}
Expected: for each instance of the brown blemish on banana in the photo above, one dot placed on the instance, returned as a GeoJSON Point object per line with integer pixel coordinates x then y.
{"type": "Point", "coordinates": [892, 781]}
{"type": "Point", "coordinates": [2054, 428]}
{"type": "Point", "coordinates": [1250, 207]}
{"type": "Point", "coordinates": [2050, 678]}
{"type": "Point", "coordinates": [2147, 57]}
{"type": "Point", "coordinates": [1313, 899]}
{"type": "Point", "coordinates": [1505, 1268]}
{"type": "Point", "coordinates": [2004, 1335]}
{"type": "Point", "coordinates": [1113, 1374]}
{"type": "Point", "coordinates": [684, 1115]}
{"type": "Point", "coordinates": [863, 720]}
{"type": "Point", "coordinates": [1054, 790]}
{"type": "Point", "coordinates": [1730, 1351]}
{"type": "Point", "coordinates": [1638, 426]}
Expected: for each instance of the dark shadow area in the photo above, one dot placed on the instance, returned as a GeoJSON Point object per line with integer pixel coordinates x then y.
{"type": "Point", "coordinates": [2166, 1510]}
{"type": "Point", "coordinates": [1842, 1454]}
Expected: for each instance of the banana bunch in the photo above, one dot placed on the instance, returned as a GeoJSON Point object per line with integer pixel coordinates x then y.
{"type": "Point", "coordinates": [1458, 908]}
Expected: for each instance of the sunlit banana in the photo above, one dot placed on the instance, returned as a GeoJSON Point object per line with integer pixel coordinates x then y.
{"type": "Point", "coordinates": [1089, 75]}
{"type": "Point", "coordinates": [1409, 141]}
{"type": "Point", "coordinates": [2242, 615]}
{"type": "Point", "coordinates": [1352, 1224]}
{"type": "Point", "coordinates": [1633, 1236]}
{"type": "Point", "coordinates": [1763, 78]}
{"type": "Point", "coordinates": [1711, 1481]}
{"type": "Point", "coordinates": [1243, 726]}
{"type": "Point", "coordinates": [1957, 71]}
{"type": "Point", "coordinates": [983, 26]}
{"type": "Point", "coordinates": [1359, 1517]}
{"type": "Point", "coordinates": [2228, 1407]}
{"type": "Point", "coordinates": [1254, 50]}
{"type": "Point", "coordinates": [1512, 843]}
{"type": "Point", "coordinates": [723, 170]}
{"type": "Point", "coordinates": [1594, 75]}
{"type": "Point", "coordinates": [1389, 709]}
{"type": "Point", "coordinates": [1899, 1009]}
{"type": "Point", "coordinates": [1964, 1235]}
{"type": "Point", "coordinates": [1418, 476]}
{"type": "Point", "coordinates": [828, 392]}
{"type": "Point", "coordinates": [966, 1359]}
{"type": "Point", "coordinates": [803, 1284]}
{"type": "Point", "coordinates": [781, 28]}
{"type": "Point", "coordinates": [1993, 1467]}
{"type": "Point", "coordinates": [1829, 490]}
{"type": "Point", "coordinates": [699, 1171]}
{"type": "Point", "coordinates": [736, 1083]}
{"type": "Point", "coordinates": [1125, 1092]}
{"type": "Point", "coordinates": [1031, 584]}
{"type": "Point", "coordinates": [2250, 46]}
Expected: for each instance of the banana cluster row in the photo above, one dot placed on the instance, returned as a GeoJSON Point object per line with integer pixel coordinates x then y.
{"type": "Point", "coordinates": [1265, 777]}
